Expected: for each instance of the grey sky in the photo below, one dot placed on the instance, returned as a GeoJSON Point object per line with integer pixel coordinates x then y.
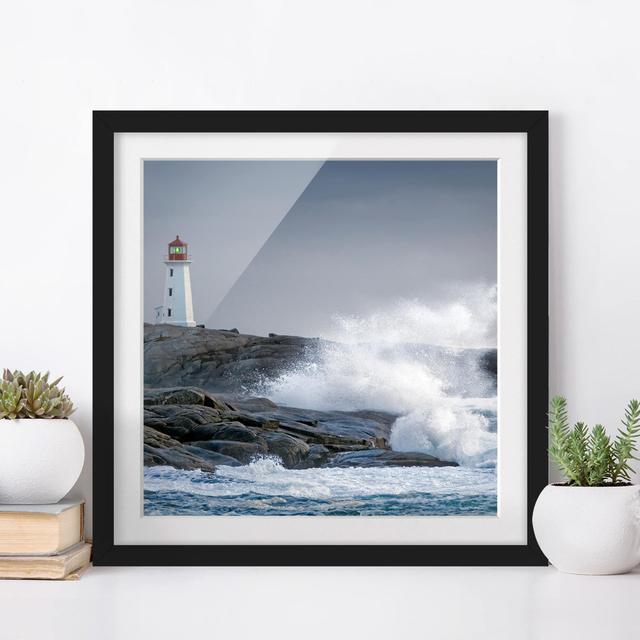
{"type": "Point", "coordinates": [224, 210]}
{"type": "Point", "coordinates": [282, 246]}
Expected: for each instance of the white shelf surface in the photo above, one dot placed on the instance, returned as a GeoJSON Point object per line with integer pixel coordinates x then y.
{"type": "Point", "coordinates": [324, 603]}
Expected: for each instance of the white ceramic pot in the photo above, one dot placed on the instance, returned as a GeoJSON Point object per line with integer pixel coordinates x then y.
{"type": "Point", "coordinates": [40, 460]}
{"type": "Point", "coordinates": [589, 530]}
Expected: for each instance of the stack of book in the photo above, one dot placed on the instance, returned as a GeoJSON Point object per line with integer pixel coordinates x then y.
{"type": "Point", "coordinates": [43, 541]}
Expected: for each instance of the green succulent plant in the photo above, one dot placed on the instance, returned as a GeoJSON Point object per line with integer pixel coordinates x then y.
{"type": "Point", "coordinates": [591, 458]}
{"type": "Point", "coordinates": [11, 401]}
{"type": "Point", "coordinates": [31, 395]}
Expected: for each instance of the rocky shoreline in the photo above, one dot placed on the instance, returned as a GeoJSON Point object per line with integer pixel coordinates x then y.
{"type": "Point", "coordinates": [227, 361]}
{"type": "Point", "coordinates": [189, 428]}
{"type": "Point", "coordinates": [201, 409]}
{"type": "Point", "coordinates": [217, 359]}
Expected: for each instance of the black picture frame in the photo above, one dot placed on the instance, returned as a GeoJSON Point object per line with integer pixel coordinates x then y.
{"type": "Point", "coordinates": [108, 123]}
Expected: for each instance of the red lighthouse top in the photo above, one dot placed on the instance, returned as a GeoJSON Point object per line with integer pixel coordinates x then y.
{"type": "Point", "coordinates": [178, 250]}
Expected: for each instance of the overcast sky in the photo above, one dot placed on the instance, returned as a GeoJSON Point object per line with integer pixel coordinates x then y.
{"type": "Point", "coordinates": [283, 246]}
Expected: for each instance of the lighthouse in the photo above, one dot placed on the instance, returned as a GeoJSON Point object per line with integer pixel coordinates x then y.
{"type": "Point", "coordinates": [178, 304]}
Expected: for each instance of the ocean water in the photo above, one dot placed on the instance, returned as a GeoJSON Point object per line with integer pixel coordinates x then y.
{"type": "Point", "coordinates": [265, 487]}
{"type": "Point", "coordinates": [427, 367]}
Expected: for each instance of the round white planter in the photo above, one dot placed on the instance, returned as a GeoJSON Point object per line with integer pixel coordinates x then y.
{"type": "Point", "coordinates": [589, 530]}
{"type": "Point", "coordinates": [40, 460]}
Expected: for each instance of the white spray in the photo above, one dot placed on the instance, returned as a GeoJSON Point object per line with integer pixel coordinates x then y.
{"type": "Point", "coordinates": [408, 361]}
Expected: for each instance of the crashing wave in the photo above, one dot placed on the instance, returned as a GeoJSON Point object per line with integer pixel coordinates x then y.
{"type": "Point", "coordinates": [423, 364]}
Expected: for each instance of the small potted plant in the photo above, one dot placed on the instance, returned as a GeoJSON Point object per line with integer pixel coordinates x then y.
{"type": "Point", "coordinates": [591, 523]}
{"type": "Point", "coordinates": [41, 450]}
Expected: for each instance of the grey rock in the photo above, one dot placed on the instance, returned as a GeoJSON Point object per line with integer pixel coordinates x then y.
{"type": "Point", "coordinates": [190, 436]}
{"type": "Point", "coordinates": [203, 432]}
{"type": "Point", "coordinates": [213, 457]}
{"type": "Point", "coordinates": [240, 452]}
{"type": "Point", "coordinates": [216, 359]}
{"type": "Point", "coordinates": [252, 419]}
{"type": "Point", "coordinates": [386, 458]}
{"type": "Point", "coordinates": [184, 395]}
{"type": "Point", "coordinates": [334, 427]}
{"type": "Point", "coordinates": [179, 421]}
{"type": "Point", "coordinates": [160, 449]}
{"type": "Point", "coordinates": [289, 449]}
{"type": "Point", "coordinates": [317, 456]}
{"type": "Point", "coordinates": [254, 404]}
{"type": "Point", "coordinates": [235, 431]}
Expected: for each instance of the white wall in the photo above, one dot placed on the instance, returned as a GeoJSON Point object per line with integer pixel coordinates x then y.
{"type": "Point", "coordinates": [577, 58]}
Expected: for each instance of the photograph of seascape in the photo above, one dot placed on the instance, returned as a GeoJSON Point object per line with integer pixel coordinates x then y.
{"type": "Point", "coordinates": [320, 337]}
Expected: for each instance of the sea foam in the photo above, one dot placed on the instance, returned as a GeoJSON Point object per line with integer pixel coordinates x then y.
{"type": "Point", "coordinates": [420, 363]}
{"type": "Point", "coordinates": [267, 476]}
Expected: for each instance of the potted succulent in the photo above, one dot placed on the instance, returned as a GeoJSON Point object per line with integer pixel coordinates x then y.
{"type": "Point", "coordinates": [591, 523]}
{"type": "Point", "coordinates": [41, 450]}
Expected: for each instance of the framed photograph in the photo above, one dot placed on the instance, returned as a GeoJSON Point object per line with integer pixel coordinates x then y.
{"type": "Point", "coordinates": [320, 338]}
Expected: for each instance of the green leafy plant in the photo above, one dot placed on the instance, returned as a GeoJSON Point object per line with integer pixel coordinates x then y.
{"type": "Point", "coordinates": [591, 458]}
{"type": "Point", "coordinates": [31, 395]}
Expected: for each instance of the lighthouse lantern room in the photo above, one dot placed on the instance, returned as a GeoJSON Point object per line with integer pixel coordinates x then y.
{"type": "Point", "coordinates": [178, 304]}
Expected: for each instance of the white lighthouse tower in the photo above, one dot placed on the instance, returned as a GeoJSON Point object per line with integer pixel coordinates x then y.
{"type": "Point", "coordinates": [178, 304]}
